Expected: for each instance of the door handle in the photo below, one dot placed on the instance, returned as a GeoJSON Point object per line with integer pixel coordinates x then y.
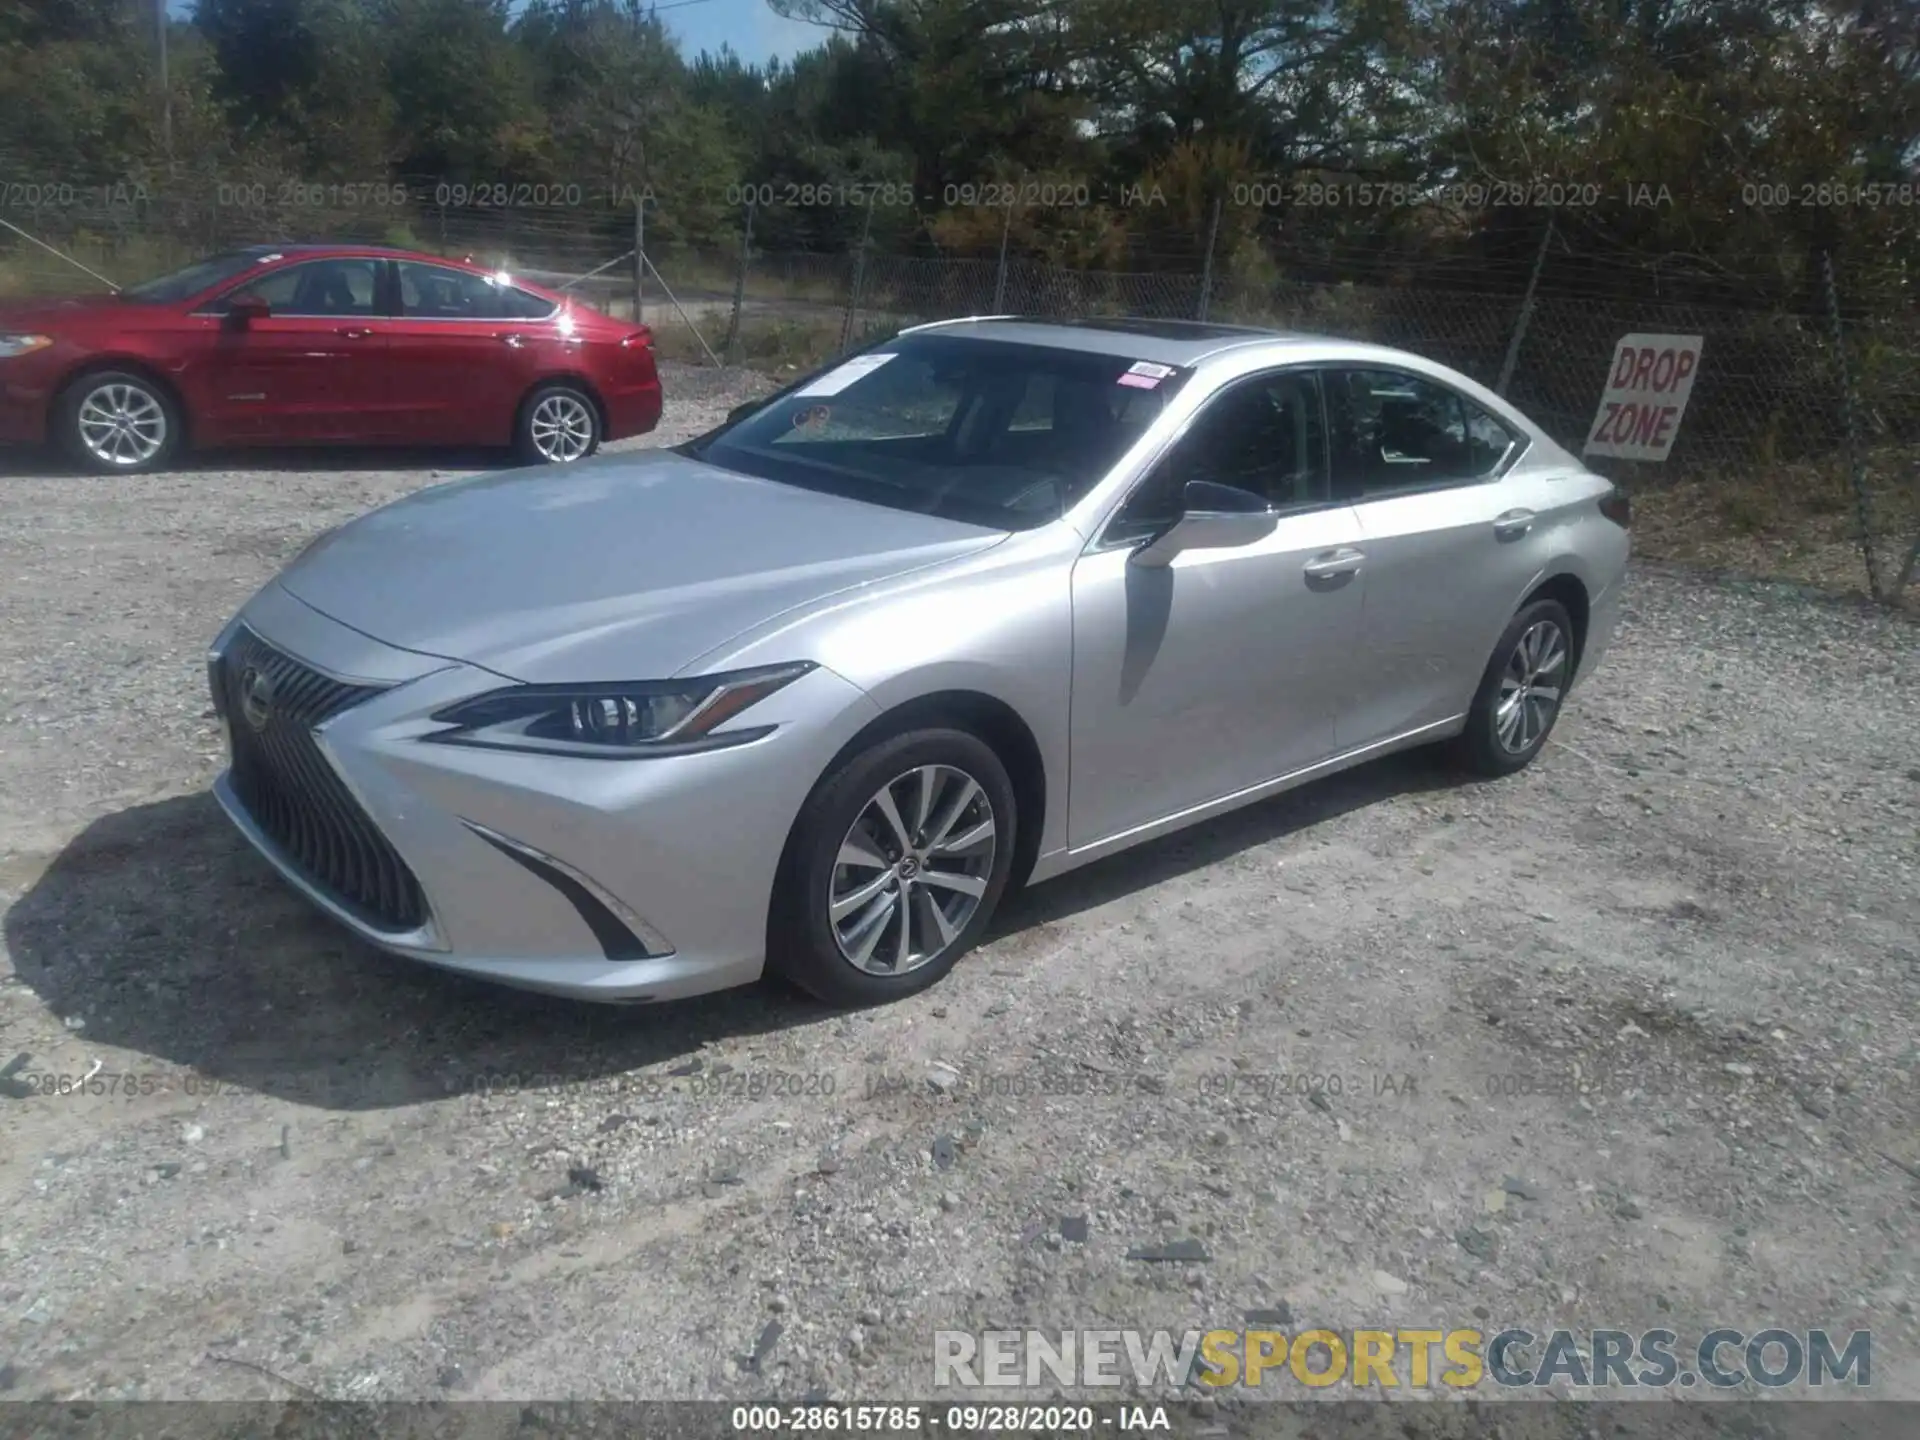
{"type": "Point", "coordinates": [355, 334]}
{"type": "Point", "coordinates": [1512, 525]}
{"type": "Point", "coordinates": [1344, 561]}
{"type": "Point", "coordinates": [516, 341]}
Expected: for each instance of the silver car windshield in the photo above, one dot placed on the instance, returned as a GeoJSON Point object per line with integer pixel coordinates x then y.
{"type": "Point", "coordinates": [981, 431]}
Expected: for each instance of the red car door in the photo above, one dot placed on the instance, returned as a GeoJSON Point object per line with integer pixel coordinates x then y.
{"type": "Point", "coordinates": [310, 367]}
{"type": "Point", "coordinates": [463, 350]}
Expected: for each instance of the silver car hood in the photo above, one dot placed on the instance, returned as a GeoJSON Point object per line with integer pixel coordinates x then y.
{"type": "Point", "coordinates": [627, 568]}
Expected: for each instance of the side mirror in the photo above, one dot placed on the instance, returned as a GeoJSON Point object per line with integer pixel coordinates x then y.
{"type": "Point", "coordinates": [1213, 517]}
{"type": "Point", "coordinates": [244, 311]}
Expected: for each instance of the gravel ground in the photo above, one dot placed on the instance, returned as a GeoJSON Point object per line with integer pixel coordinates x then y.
{"type": "Point", "coordinates": [341, 1174]}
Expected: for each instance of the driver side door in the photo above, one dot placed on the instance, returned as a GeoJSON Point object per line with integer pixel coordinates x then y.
{"type": "Point", "coordinates": [311, 368]}
{"type": "Point", "coordinates": [1225, 669]}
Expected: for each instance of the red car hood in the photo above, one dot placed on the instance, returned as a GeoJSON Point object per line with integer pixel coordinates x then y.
{"type": "Point", "coordinates": [41, 312]}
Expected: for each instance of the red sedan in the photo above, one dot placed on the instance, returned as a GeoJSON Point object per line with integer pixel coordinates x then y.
{"type": "Point", "coordinates": [321, 344]}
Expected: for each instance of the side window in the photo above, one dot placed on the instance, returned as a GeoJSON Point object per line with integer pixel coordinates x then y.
{"type": "Point", "coordinates": [435, 292]}
{"type": "Point", "coordinates": [1264, 434]}
{"type": "Point", "coordinates": [1394, 432]}
{"type": "Point", "coordinates": [317, 287]}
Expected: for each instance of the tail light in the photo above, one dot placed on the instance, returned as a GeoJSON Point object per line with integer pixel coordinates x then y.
{"type": "Point", "coordinates": [1617, 508]}
{"type": "Point", "coordinates": [640, 339]}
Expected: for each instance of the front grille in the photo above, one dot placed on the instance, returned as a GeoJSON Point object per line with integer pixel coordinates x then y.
{"type": "Point", "coordinates": [287, 785]}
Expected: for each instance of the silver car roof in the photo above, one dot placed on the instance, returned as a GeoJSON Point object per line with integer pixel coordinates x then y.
{"type": "Point", "coordinates": [1193, 344]}
{"type": "Point", "coordinates": [1185, 343]}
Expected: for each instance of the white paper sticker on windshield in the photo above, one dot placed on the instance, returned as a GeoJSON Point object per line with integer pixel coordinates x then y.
{"type": "Point", "coordinates": [1148, 368]}
{"type": "Point", "coordinates": [841, 376]}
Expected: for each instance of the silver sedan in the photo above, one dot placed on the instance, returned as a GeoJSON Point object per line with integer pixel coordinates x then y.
{"type": "Point", "coordinates": [974, 607]}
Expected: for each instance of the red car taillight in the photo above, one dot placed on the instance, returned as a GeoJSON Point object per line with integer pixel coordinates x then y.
{"type": "Point", "coordinates": [1617, 508]}
{"type": "Point", "coordinates": [641, 338]}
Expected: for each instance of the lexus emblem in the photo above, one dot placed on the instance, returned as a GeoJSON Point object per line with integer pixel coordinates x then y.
{"type": "Point", "coordinates": [256, 697]}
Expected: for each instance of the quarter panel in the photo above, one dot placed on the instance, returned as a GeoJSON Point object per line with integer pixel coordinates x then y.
{"type": "Point", "coordinates": [998, 624]}
{"type": "Point", "coordinates": [1441, 587]}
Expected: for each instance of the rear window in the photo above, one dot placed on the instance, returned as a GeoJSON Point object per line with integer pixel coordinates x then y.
{"type": "Point", "coordinates": [438, 292]}
{"type": "Point", "coordinates": [990, 433]}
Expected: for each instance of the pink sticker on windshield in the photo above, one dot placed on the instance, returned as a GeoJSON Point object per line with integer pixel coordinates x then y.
{"type": "Point", "coordinates": [1140, 382]}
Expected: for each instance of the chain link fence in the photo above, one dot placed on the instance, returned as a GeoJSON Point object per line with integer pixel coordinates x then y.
{"type": "Point", "coordinates": [1804, 428]}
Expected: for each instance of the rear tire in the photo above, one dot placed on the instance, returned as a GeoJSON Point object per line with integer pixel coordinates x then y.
{"type": "Point", "coordinates": [117, 422]}
{"type": "Point", "coordinates": [868, 910]}
{"type": "Point", "coordinates": [1521, 692]}
{"type": "Point", "coordinates": [558, 424]}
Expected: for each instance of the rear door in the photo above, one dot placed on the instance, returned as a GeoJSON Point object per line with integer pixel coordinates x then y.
{"type": "Point", "coordinates": [306, 371]}
{"type": "Point", "coordinates": [1452, 535]}
{"type": "Point", "coordinates": [463, 349]}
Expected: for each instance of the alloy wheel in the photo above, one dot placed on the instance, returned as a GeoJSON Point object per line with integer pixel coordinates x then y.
{"type": "Point", "coordinates": [561, 427]}
{"type": "Point", "coordinates": [122, 425]}
{"type": "Point", "coordinates": [912, 870]}
{"type": "Point", "coordinates": [1530, 687]}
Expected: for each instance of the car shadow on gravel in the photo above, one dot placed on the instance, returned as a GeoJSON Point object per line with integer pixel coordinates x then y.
{"type": "Point", "coordinates": [163, 933]}
{"type": "Point", "coordinates": [1185, 851]}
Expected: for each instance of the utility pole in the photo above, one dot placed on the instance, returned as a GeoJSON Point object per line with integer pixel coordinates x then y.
{"type": "Point", "coordinates": [640, 258]}
{"type": "Point", "coordinates": [740, 283]}
{"type": "Point", "coordinates": [859, 280]}
{"type": "Point", "coordinates": [1206, 263]}
{"type": "Point", "coordinates": [1000, 274]}
{"type": "Point", "coordinates": [1526, 312]}
{"type": "Point", "coordinates": [166, 88]}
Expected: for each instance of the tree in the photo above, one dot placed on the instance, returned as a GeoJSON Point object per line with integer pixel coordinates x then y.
{"type": "Point", "coordinates": [302, 79]}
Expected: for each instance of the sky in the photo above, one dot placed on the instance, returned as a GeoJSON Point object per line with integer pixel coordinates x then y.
{"type": "Point", "coordinates": [749, 26]}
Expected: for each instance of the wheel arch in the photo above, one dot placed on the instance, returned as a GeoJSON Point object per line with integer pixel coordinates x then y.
{"type": "Point", "coordinates": [564, 377]}
{"type": "Point", "coordinates": [994, 721]}
{"type": "Point", "coordinates": [1571, 592]}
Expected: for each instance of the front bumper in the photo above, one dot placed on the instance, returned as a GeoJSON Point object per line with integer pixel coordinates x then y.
{"type": "Point", "coordinates": [26, 394]}
{"type": "Point", "coordinates": [614, 880]}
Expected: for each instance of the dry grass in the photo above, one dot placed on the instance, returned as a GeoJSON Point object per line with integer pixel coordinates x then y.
{"type": "Point", "coordinates": [1793, 522]}
{"type": "Point", "coordinates": [27, 270]}
{"type": "Point", "coordinates": [773, 345]}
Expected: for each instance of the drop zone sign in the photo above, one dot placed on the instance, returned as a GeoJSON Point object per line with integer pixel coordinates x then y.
{"type": "Point", "coordinates": [1645, 397]}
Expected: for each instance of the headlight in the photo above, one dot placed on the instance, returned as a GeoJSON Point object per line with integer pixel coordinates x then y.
{"type": "Point", "coordinates": [618, 721]}
{"type": "Point", "coordinates": [12, 345]}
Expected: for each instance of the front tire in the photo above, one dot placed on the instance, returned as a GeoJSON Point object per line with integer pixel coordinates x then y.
{"type": "Point", "coordinates": [557, 425]}
{"type": "Point", "coordinates": [116, 422]}
{"type": "Point", "coordinates": [1520, 692]}
{"type": "Point", "coordinates": [896, 865]}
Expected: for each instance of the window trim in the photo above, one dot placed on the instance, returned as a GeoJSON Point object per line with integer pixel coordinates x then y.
{"type": "Point", "coordinates": [207, 310]}
{"type": "Point", "coordinates": [400, 306]}
{"type": "Point", "coordinates": [1356, 494]}
{"type": "Point", "coordinates": [1104, 539]}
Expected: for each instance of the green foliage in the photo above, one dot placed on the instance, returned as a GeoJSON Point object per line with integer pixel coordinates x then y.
{"type": "Point", "coordinates": [1158, 114]}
